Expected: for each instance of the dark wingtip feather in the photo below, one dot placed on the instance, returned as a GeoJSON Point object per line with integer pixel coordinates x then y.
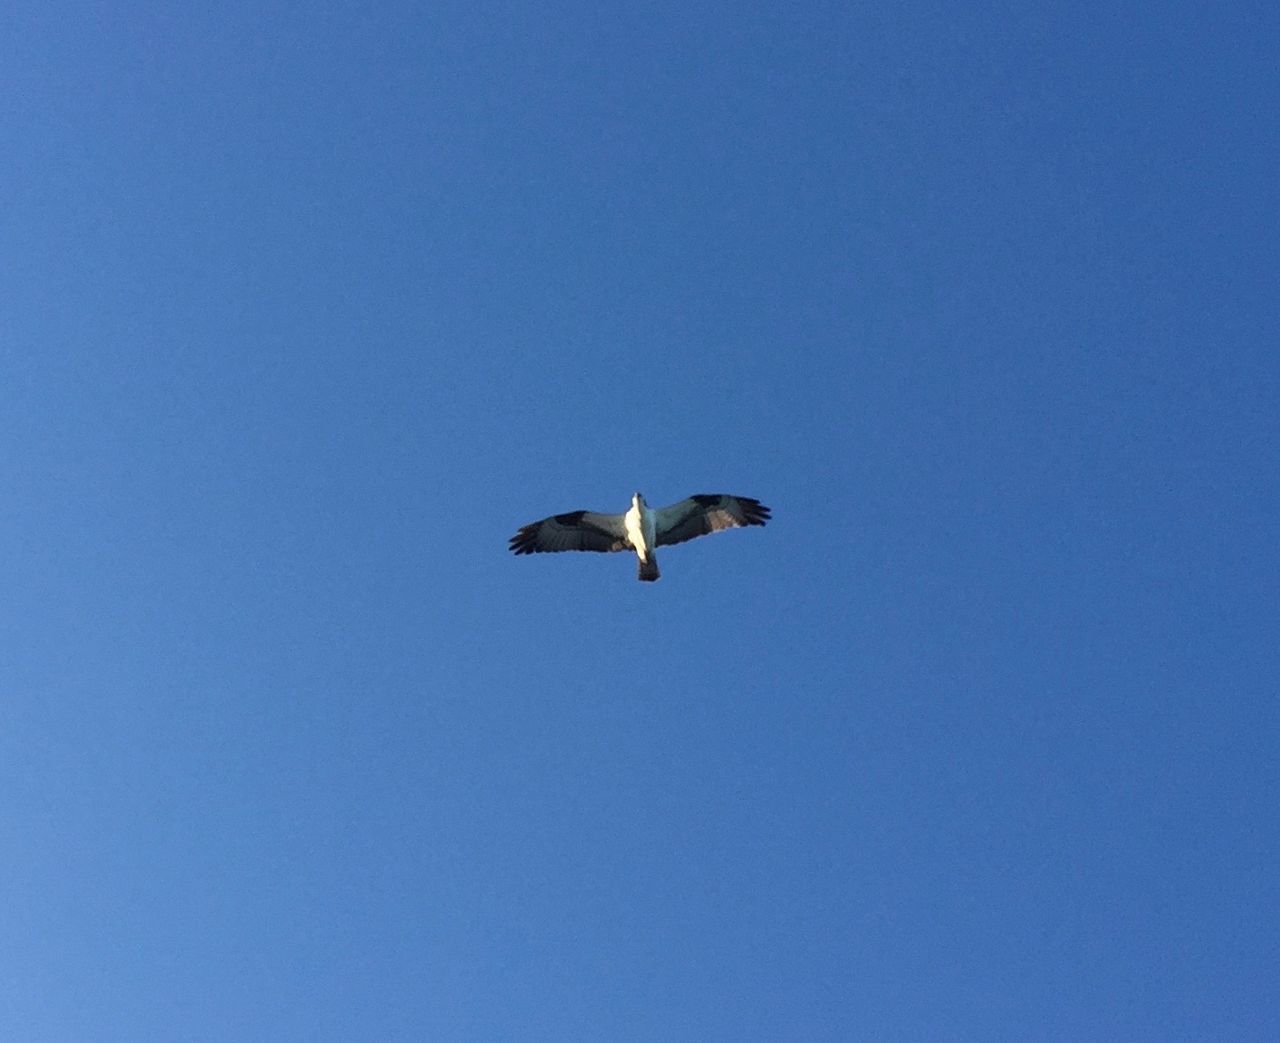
{"type": "Point", "coordinates": [523, 541]}
{"type": "Point", "coordinates": [754, 511]}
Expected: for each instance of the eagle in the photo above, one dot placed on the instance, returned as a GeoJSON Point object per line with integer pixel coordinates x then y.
{"type": "Point", "coordinates": [641, 529]}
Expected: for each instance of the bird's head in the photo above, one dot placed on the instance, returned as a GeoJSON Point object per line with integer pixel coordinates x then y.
{"type": "Point", "coordinates": [637, 501]}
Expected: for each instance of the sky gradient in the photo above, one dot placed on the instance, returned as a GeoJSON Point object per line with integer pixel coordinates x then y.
{"type": "Point", "coordinates": [304, 311]}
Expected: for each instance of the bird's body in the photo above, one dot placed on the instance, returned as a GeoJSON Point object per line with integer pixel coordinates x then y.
{"type": "Point", "coordinates": [641, 529]}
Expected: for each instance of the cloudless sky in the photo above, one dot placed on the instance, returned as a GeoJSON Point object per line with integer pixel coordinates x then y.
{"type": "Point", "coordinates": [304, 309]}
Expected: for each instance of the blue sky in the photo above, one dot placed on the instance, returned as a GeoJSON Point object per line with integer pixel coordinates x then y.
{"type": "Point", "coordinates": [304, 311]}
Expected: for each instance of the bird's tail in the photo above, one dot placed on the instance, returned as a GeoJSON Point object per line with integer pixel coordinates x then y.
{"type": "Point", "coordinates": [649, 568]}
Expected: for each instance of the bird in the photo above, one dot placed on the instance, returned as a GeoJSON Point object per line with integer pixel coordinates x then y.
{"type": "Point", "coordinates": [641, 529]}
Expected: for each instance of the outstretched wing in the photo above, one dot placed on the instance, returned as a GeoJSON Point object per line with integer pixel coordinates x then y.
{"type": "Point", "coordinates": [699, 515]}
{"type": "Point", "coordinates": [577, 530]}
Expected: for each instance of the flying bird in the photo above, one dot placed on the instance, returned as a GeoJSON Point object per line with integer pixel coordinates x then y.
{"type": "Point", "coordinates": [641, 529]}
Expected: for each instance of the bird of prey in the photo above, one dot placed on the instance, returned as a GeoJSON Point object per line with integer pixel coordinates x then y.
{"type": "Point", "coordinates": [641, 529]}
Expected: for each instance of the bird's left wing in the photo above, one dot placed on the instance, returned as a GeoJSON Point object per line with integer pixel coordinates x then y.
{"type": "Point", "coordinates": [577, 530]}
{"type": "Point", "coordinates": [708, 512]}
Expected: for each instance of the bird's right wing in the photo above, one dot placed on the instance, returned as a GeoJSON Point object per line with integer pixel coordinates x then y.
{"type": "Point", "coordinates": [577, 530]}
{"type": "Point", "coordinates": [706, 513]}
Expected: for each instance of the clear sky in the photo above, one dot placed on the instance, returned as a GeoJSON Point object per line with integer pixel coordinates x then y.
{"type": "Point", "coordinates": [304, 309]}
